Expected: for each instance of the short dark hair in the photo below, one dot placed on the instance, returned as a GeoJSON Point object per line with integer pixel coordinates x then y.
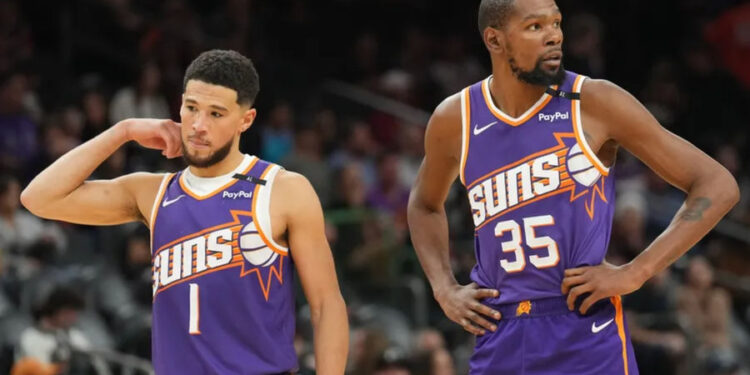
{"type": "Point", "coordinates": [226, 68]}
{"type": "Point", "coordinates": [62, 297]}
{"type": "Point", "coordinates": [494, 13]}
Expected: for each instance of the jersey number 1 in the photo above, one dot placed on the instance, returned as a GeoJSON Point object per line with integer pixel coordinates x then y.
{"type": "Point", "coordinates": [532, 241]}
{"type": "Point", "coordinates": [195, 311]}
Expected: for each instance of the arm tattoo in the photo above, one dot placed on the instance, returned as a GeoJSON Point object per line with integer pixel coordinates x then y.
{"type": "Point", "coordinates": [695, 209]}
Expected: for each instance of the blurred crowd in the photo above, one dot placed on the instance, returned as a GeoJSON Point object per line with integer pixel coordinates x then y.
{"type": "Point", "coordinates": [70, 69]}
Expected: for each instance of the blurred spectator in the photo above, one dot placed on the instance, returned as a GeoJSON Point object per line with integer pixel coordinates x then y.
{"type": "Point", "coordinates": [411, 151]}
{"type": "Point", "coordinates": [658, 340]}
{"type": "Point", "coordinates": [144, 99]}
{"type": "Point", "coordinates": [18, 228]}
{"type": "Point", "coordinates": [431, 343]}
{"type": "Point", "coordinates": [16, 45]}
{"type": "Point", "coordinates": [358, 147]}
{"type": "Point", "coordinates": [18, 132]}
{"type": "Point", "coordinates": [388, 195]}
{"type": "Point", "coordinates": [454, 67]}
{"type": "Point", "coordinates": [706, 312]}
{"type": "Point", "coordinates": [307, 159]}
{"type": "Point", "coordinates": [583, 44]}
{"type": "Point", "coordinates": [96, 118]}
{"type": "Point", "coordinates": [277, 138]}
{"type": "Point", "coordinates": [53, 339]}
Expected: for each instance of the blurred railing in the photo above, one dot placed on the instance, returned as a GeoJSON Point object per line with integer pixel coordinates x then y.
{"type": "Point", "coordinates": [128, 364]}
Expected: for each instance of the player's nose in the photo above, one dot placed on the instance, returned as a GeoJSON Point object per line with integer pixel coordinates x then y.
{"type": "Point", "coordinates": [200, 123]}
{"type": "Point", "coordinates": [553, 38]}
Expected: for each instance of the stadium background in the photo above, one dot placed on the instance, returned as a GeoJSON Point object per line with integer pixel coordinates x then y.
{"type": "Point", "coordinates": [346, 89]}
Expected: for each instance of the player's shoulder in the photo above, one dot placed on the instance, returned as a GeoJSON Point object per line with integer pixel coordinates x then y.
{"type": "Point", "coordinates": [606, 100]}
{"type": "Point", "coordinates": [602, 92]}
{"type": "Point", "coordinates": [448, 109]}
{"type": "Point", "coordinates": [292, 184]}
{"type": "Point", "coordinates": [293, 195]}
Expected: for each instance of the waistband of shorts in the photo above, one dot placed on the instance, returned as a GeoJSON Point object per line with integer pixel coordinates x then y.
{"type": "Point", "coordinates": [542, 307]}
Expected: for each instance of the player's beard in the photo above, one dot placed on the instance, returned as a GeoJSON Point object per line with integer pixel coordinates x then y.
{"type": "Point", "coordinates": [538, 76]}
{"type": "Point", "coordinates": [210, 160]}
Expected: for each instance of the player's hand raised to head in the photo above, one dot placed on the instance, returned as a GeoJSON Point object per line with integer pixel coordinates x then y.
{"type": "Point", "coordinates": [601, 281]}
{"type": "Point", "coordinates": [159, 134]}
{"type": "Point", "coordinates": [461, 304]}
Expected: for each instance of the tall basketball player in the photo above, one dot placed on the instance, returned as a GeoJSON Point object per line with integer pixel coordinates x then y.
{"type": "Point", "coordinates": [534, 145]}
{"type": "Point", "coordinates": [226, 233]}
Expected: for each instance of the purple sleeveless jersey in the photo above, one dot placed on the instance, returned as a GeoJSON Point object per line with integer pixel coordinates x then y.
{"type": "Point", "coordinates": [541, 202]}
{"type": "Point", "coordinates": [223, 289]}
{"type": "Point", "coordinates": [540, 198]}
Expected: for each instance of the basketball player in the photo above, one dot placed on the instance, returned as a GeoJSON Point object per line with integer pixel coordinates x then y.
{"type": "Point", "coordinates": [534, 146]}
{"type": "Point", "coordinates": [226, 232]}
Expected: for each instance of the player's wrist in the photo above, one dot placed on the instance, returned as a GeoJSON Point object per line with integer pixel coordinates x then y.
{"type": "Point", "coordinates": [123, 129]}
{"type": "Point", "coordinates": [439, 290]}
{"type": "Point", "coordinates": [638, 271]}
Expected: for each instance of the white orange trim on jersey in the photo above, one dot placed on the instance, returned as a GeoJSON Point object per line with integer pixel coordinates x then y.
{"type": "Point", "coordinates": [157, 202]}
{"type": "Point", "coordinates": [620, 322]}
{"type": "Point", "coordinates": [578, 129]}
{"type": "Point", "coordinates": [200, 197]}
{"type": "Point", "coordinates": [465, 126]}
{"type": "Point", "coordinates": [502, 116]}
{"type": "Point", "coordinates": [264, 223]}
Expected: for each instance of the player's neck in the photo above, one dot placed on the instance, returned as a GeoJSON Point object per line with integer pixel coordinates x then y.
{"type": "Point", "coordinates": [511, 95]}
{"type": "Point", "coordinates": [227, 165]}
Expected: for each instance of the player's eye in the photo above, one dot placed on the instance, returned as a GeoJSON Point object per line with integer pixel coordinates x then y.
{"type": "Point", "coordinates": [216, 114]}
{"type": "Point", "coordinates": [556, 24]}
{"type": "Point", "coordinates": [190, 108]}
{"type": "Point", "coordinates": [534, 27]}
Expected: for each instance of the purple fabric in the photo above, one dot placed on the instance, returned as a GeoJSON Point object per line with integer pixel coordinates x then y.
{"type": "Point", "coordinates": [555, 344]}
{"type": "Point", "coordinates": [246, 311]}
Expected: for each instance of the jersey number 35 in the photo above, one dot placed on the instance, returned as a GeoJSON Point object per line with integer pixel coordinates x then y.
{"type": "Point", "coordinates": [532, 242]}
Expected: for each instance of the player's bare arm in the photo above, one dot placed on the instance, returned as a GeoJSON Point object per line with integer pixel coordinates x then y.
{"type": "Point", "coordinates": [428, 223]}
{"type": "Point", "coordinates": [300, 216]}
{"type": "Point", "coordinates": [61, 191]}
{"type": "Point", "coordinates": [610, 114]}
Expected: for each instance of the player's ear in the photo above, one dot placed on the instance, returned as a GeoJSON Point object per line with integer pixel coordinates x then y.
{"type": "Point", "coordinates": [247, 119]}
{"type": "Point", "coordinates": [494, 40]}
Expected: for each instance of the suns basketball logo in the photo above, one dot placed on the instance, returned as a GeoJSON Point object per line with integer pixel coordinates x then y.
{"type": "Point", "coordinates": [237, 243]}
{"type": "Point", "coordinates": [563, 167]}
{"type": "Point", "coordinates": [581, 168]}
{"type": "Point", "coordinates": [253, 248]}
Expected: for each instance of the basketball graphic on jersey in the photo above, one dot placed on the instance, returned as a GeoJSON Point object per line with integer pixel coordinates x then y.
{"type": "Point", "coordinates": [580, 167]}
{"type": "Point", "coordinates": [253, 248]}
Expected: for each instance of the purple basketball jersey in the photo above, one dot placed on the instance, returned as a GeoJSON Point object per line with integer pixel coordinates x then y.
{"type": "Point", "coordinates": [541, 200]}
{"type": "Point", "coordinates": [223, 289]}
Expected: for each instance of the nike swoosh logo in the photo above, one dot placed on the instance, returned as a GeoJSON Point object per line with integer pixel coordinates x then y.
{"type": "Point", "coordinates": [478, 131]}
{"type": "Point", "coordinates": [596, 329]}
{"type": "Point", "coordinates": [167, 202]}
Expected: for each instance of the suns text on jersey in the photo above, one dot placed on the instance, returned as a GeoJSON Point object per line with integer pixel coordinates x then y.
{"type": "Point", "coordinates": [516, 184]}
{"type": "Point", "coordinates": [193, 256]}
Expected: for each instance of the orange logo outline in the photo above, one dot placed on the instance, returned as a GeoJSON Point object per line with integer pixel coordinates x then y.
{"type": "Point", "coordinates": [238, 259]}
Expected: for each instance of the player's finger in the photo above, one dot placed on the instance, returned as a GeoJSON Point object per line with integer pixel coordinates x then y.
{"type": "Point", "coordinates": [168, 140]}
{"type": "Point", "coordinates": [478, 320]}
{"type": "Point", "coordinates": [588, 302]}
{"type": "Point", "coordinates": [576, 292]}
{"type": "Point", "coordinates": [474, 330]}
{"type": "Point", "coordinates": [575, 271]}
{"type": "Point", "coordinates": [176, 144]}
{"type": "Point", "coordinates": [485, 310]}
{"type": "Point", "coordinates": [486, 293]}
{"type": "Point", "coordinates": [570, 282]}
